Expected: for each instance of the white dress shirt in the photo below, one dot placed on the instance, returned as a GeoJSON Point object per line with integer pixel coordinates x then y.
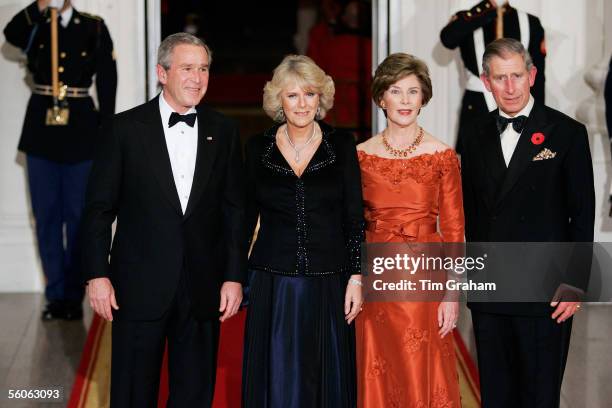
{"type": "Point", "coordinates": [510, 137]}
{"type": "Point", "coordinates": [66, 16]}
{"type": "Point", "coordinates": [182, 144]}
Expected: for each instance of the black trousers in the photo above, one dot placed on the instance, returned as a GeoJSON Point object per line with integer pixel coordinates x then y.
{"type": "Point", "coordinates": [521, 359]}
{"type": "Point", "coordinates": [137, 352]}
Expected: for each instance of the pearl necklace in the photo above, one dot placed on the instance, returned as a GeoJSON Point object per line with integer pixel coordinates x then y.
{"type": "Point", "coordinates": [296, 149]}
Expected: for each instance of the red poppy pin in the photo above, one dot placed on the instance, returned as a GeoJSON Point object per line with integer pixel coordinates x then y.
{"type": "Point", "coordinates": [537, 138]}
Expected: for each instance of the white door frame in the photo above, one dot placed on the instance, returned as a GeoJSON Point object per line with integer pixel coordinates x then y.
{"type": "Point", "coordinates": [153, 36]}
{"type": "Point", "coordinates": [380, 50]}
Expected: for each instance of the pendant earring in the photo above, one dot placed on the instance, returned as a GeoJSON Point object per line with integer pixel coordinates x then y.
{"type": "Point", "coordinates": [318, 114]}
{"type": "Point", "coordinates": [280, 115]}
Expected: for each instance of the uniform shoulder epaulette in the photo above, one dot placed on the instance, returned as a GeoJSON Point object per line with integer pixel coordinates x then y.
{"type": "Point", "coordinates": [477, 11]}
{"type": "Point", "coordinates": [92, 16]}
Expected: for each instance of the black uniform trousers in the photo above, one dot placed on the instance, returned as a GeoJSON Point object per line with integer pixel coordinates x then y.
{"type": "Point", "coordinates": [137, 353]}
{"type": "Point", "coordinates": [521, 359]}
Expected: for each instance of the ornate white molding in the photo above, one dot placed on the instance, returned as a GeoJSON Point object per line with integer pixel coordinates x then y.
{"type": "Point", "coordinates": [592, 110]}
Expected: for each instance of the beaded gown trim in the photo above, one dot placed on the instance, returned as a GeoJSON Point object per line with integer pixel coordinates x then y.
{"type": "Point", "coordinates": [354, 234]}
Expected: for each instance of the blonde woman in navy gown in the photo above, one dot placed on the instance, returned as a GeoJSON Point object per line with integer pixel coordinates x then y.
{"type": "Point", "coordinates": [305, 290]}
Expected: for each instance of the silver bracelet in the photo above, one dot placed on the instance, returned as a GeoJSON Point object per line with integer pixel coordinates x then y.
{"type": "Point", "coordinates": [355, 282]}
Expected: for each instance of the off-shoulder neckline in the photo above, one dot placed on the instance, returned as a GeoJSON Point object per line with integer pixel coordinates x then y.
{"type": "Point", "coordinates": [437, 152]}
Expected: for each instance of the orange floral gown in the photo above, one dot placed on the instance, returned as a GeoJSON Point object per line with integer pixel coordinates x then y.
{"type": "Point", "coordinates": [401, 359]}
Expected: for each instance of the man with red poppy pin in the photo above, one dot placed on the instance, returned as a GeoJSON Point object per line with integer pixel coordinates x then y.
{"type": "Point", "coordinates": [527, 177]}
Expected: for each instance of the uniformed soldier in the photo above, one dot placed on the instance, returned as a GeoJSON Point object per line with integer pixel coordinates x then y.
{"type": "Point", "coordinates": [59, 152]}
{"type": "Point", "coordinates": [471, 31]}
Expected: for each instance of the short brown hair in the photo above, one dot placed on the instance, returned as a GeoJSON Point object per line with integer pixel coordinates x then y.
{"type": "Point", "coordinates": [164, 52]}
{"type": "Point", "coordinates": [398, 66]}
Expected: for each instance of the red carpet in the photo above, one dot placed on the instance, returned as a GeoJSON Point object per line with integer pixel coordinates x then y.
{"type": "Point", "coordinates": [92, 381]}
{"type": "Point", "coordinates": [91, 384]}
{"type": "Point", "coordinates": [229, 366]}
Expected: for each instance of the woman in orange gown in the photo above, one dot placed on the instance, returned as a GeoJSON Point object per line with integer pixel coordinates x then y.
{"type": "Point", "coordinates": [412, 193]}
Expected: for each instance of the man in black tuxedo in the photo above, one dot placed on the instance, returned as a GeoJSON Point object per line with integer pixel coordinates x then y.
{"type": "Point", "coordinates": [527, 177]}
{"type": "Point", "coordinates": [170, 172]}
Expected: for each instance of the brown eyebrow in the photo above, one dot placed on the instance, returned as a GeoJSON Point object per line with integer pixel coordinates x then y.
{"type": "Point", "coordinates": [410, 89]}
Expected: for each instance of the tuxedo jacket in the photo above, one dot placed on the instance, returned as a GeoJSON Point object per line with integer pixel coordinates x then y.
{"type": "Point", "coordinates": [549, 200]}
{"type": "Point", "coordinates": [155, 243]}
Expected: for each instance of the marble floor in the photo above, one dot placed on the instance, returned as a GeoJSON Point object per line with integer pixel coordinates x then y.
{"type": "Point", "coordinates": [34, 354]}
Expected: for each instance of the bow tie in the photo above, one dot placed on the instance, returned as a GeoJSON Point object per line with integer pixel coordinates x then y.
{"type": "Point", "coordinates": [189, 119]}
{"type": "Point", "coordinates": [518, 123]}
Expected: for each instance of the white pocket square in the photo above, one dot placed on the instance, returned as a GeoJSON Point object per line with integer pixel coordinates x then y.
{"type": "Point", "coordinates": [545, 154]}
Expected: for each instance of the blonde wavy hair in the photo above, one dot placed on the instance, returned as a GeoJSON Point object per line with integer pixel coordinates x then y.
{"type": "Point", "coordinates": [301, 70]}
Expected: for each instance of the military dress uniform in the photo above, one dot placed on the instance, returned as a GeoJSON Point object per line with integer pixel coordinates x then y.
{"type": "Point", "coordinates": [471, 31]}
{"type": "Point", "coordinates": [59, 157]}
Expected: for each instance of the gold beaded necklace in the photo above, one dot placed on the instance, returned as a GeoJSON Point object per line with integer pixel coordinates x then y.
{"type": "Point", "coordinates": [403, 152]}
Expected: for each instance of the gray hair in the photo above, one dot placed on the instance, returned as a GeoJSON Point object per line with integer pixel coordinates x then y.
{"type": "Point", "coordinates": [164, 52]}
{"type": "Point", "coordinates": [502, 48]}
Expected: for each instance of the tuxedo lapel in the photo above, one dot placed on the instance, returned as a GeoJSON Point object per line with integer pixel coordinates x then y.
{"type": "Point", "coordinates": [156, 149]}
{"type": "Point", "coordinates": [207, 147]}
{"type": "Point", "coordinates": [525, 150]}
{"type": "Point", "coordinates": [493, 157]}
